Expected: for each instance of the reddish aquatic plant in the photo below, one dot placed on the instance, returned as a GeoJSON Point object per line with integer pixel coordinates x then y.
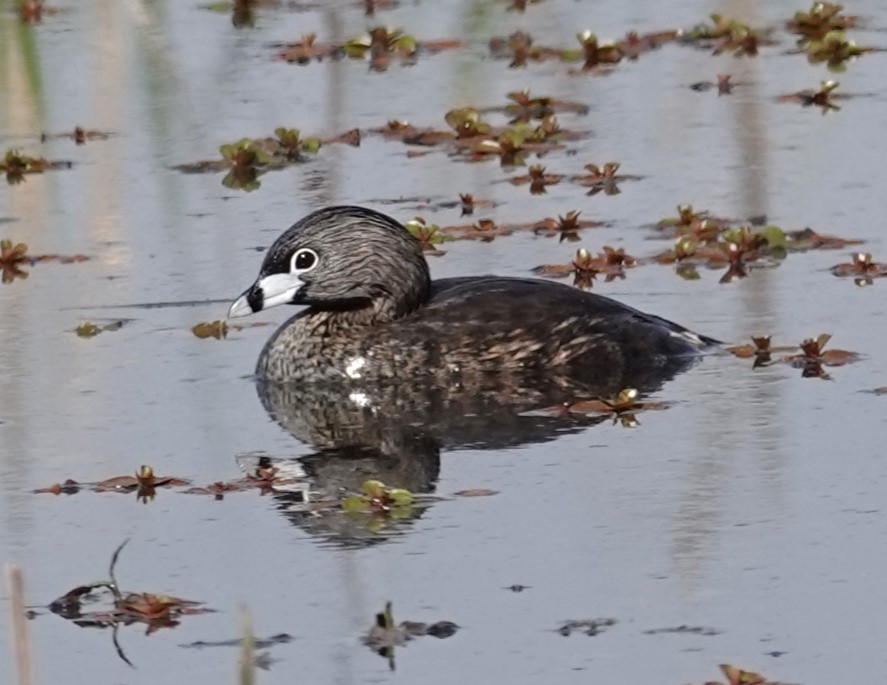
{"type": "Point", "coordinates": [595, 54]}
{"type": "Point", "coordinates": [808, 239]}
{"type": "Point", "coordinates": [523, 108]}
{"type": "Point", "coordinates": [565, 227]}
{"type": "Point", "coordinates": [814, 357]}
{"type": "Point", "coordinates": [520, 49]}
{"type": "Point", "coordinates": [152, 610]}
{"type": "Point", "coordinates": [484, 230]}
{"type": "Point", "coordinates": [603, 178]}
{"type": "Point", "coordinates": [79, 135]}
{"type": "Point", "coordinates": [585, 266]}
{"type": "Point", "coordinates": [537, 178]}
{"type": "Point", "coordinates": [823, 98]}
{"type": "Point", "coordinates": [626, 402]}
{"type": "Point", "coordinates": [862, 268]}
{"type": "Point", "coordinates": [307, 50]}
{"type": "Point", "coordinates": [725, 34]}
{"type": "Point", "coordinates": [467, 201]}
{"type": "Point", "coordinates": [761, 350]}
{"type": "Point", "coordinates": [32, 11]}
{"type": "Point", "coordinates": [428, 235]}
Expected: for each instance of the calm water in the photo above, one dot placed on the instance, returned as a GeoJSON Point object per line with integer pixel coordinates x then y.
{"type": "Point", "coordinates": [753, 505]}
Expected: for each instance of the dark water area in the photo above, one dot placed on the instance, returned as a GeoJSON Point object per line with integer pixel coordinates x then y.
{"type": "Point", "coordinates": [751, 505]}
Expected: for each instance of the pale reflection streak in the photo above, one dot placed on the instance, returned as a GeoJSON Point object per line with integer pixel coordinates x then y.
{"type": "Point", "coordinates": [22, 114]}
{"type": "Point", "coordinates": [754, 410]}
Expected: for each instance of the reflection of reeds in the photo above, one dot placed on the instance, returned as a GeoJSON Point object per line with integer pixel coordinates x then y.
{"type": "Point", "coordinates": [21, 639]}
{"type": "Point", "coordinates": [247, 649]}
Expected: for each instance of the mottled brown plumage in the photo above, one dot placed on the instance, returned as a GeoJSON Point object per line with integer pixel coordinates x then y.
{"type": "Point", "coordinates": [373, 313]}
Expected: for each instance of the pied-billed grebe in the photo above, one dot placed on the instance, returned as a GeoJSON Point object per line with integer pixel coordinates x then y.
{"type": "Point", "coordinates": [374, 313]}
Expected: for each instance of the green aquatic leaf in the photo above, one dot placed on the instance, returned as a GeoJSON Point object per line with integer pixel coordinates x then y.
{"type": "Point", "coordinates": [400, 497]}
{"type": "Point", "coordinates": [774, 236]}
{"type": "Point", "coordinates": [311, 145]}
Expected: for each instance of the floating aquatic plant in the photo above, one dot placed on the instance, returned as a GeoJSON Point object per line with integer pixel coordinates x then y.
{"type": "Point", "coordinates": [586, 626]}
{"type": "Point", "coordinates": [14, 256]}
{"type": "Point", "coordinates": [595, 53]}
{"type": "Point", "coordinates": [91, 330]}
{"type": "Point", "coordinates": [626, 402]}
{"type": "Point", "coordinates": [701, 225]}
{"type": "Point", "coordinates": [519, 48]}
{"type": "Point", "coordinates": [473, 138]}
{"type": "Point", "coordinates": [428, 235]}
{"type": "Point", "coordinates": [79, 135]}
{"type": "Point", "coordinates": [604, 178]}
{"type": "Point", "coordinates": [293, 146]}
{"type": "Point", "coordinates": [484, 230]}
{"type": "Point", "coordinates": [585, 266]}
{"type": "Point", "coordinates": [468, 203]}
{"type": "Point", "coordinates": [218, 330]}
{"type": "Point", "coordinates": [823, 98]}
{"type": "Point", "coordinates": [835, 50]}
{"type": "Point", "coordinates": [761, 350]}
{"type": "Point", "coordinates": [733, 248]}
{"type": "Point", "coordinates": [810, 355]}
{"type": "Point", "coordinates": [145, 482]}
{"type": "Point", "coordinates": [152, 610]}
{"type": "Point", "coordinates": [380, 44]}
{"type": "Point", "coordinates": [386, 634]}
{"type": "Point", "coordinates": [862, 268]}
{"type": "Point", "coordinates": [737, 676]}
{"type": "Point", "coordinates": [381, 40]}
{"type": "Point", "coordinates": [523, 107]}
{"type": "Point", "coordinates": [245, 160]}
{"type": "Point", "coordinates": [702, 239]}
{"type": "Point", "coordinates": [376, 497]}
{"type": "Point", "coordinates": [565, 227]}
{"type": "Point", "coordinates": [249, 158]}
{"type": "Point", "coordinates": [813, 350]}
{"type": "Point", "coordinates": [16, 165]}
{"type": "Point", "coordinates": [466, 122]}
{"type": "Point", "coordinates": [724, 84]}
{"type": "Point", "coordinates": [537, 178]}
{"type": "Point", "coordinates": [520, 5]}
{"type": "Point", "coordinates": [32, 11]}
{"type": "Point", "coordinates": [808, 239]}
{"type": "Point", "coordinates": [725, 34]}
{"type": "Point", "coordinates": [820, 19]}
{"type": "Point", "coordinates": [211, 329]}
{"type": "Point", "coordinates": [308, 49]}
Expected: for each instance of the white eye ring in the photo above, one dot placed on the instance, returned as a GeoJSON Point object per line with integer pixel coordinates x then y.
{"type": "Point", "coordinates": [303, 260]}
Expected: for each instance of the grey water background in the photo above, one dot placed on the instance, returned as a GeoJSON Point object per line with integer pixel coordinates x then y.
{"type": "Point", "coordinates": [753, 505]}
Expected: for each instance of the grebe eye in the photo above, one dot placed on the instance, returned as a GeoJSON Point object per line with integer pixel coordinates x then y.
{"type": "Point", "coordinates": [303, 260]}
